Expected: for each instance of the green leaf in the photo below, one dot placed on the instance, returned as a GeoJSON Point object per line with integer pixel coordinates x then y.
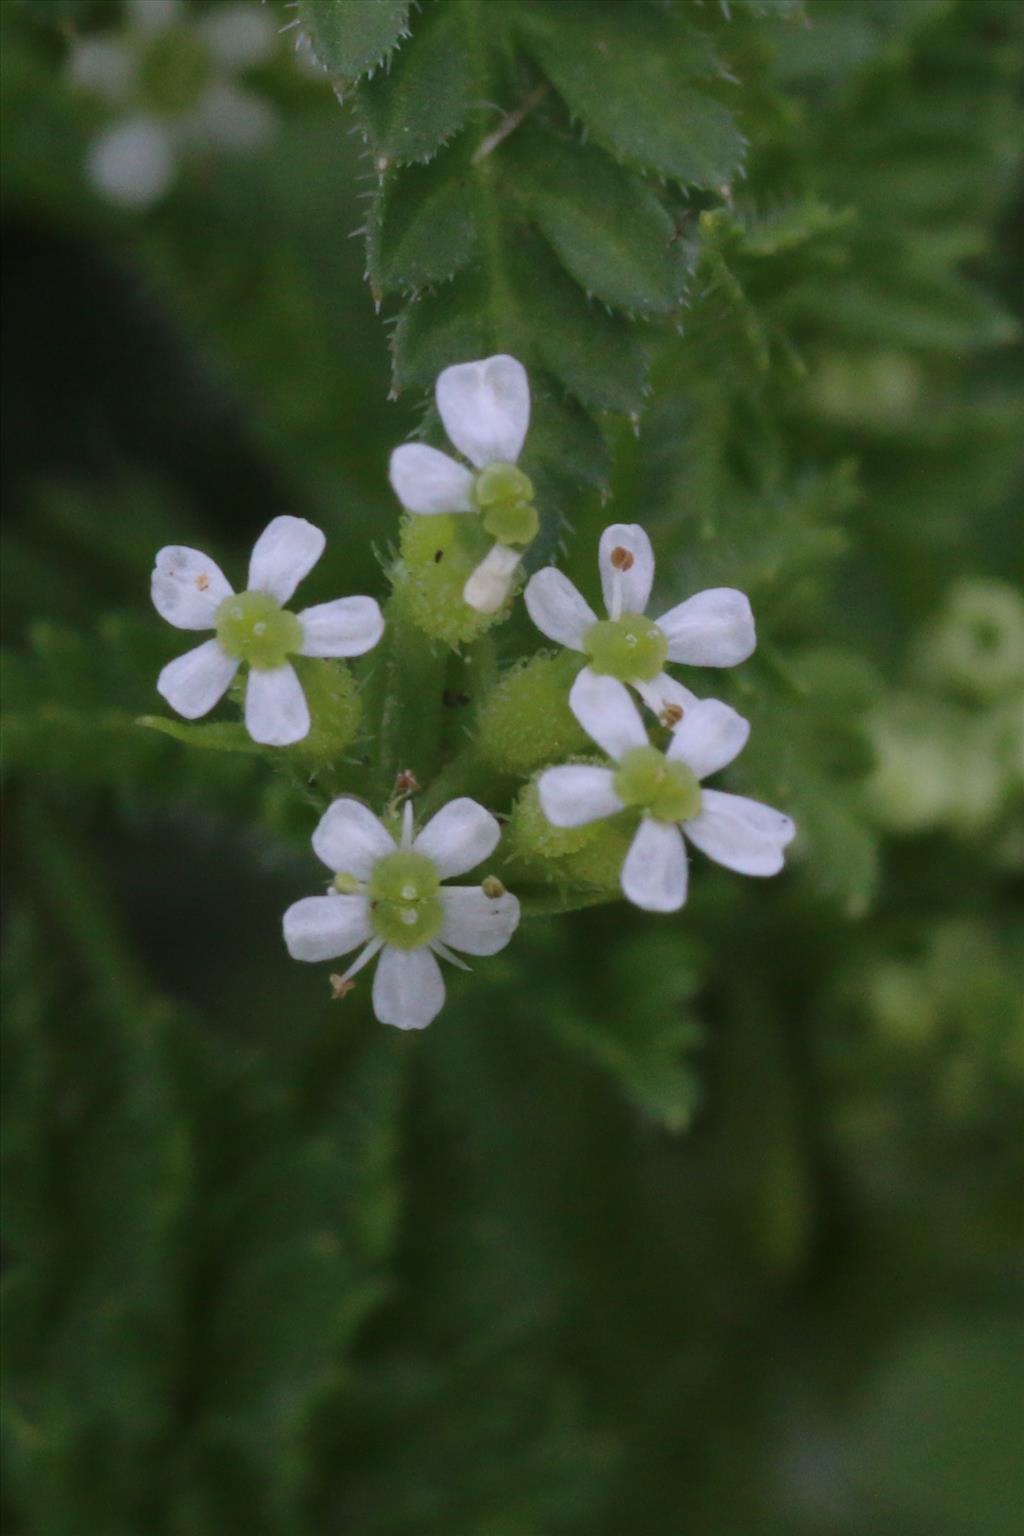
{"type": "Point", "coordinates": [499, 231]}
{"type": "Point", "coordinates": [409, 110]}
{"type": "Point", "coordinates": [421, 230]}
{"type": "Point", "coordinates": [219, 736]}
{"type": "Point", "coordinates": [625, 71]}
{"type": "Point", "coordinates": [610, 231]}
{"type": "Point", "coordinates": [350, 37]}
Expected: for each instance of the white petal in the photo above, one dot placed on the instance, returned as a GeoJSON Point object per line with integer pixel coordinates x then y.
{"type": "Point", "coordinates": [238, 36]}
{"type": "Point", "coordinates": [459, 837]}
{"type": "Point", "coordinates": [350, 626]}
{"type": "Point", "coordinates": [427, 481]}
{"type": "Point", "coordinates": [654, 874]}
{"type": "Point", "coordinates": [132, 163]}
{"type": "Point", "coordinates": [742, 834]}
{"type": "Point", "coordinates": [491, 582]}
{"type": "Point", "coordinates": [475, 923]}
{"type": "Point", "coordinates": [154, 16]}
{"type": "Point", "coordinates": [350, 838]}
{"type": "Point", "coordinates": [193, 683]}
{"type": "Point", "coordinates": [626, 591]}
{"type": "Point", "coordinates": [557, 608]}
{"type": "Point", "coordinates": [230, 118]}
{"type": "Point", "coordinates": [485, 408]}
{"type": "Point", "coordinates": [713, 629]}
{"type": "Point", "coordinates": [408, 989]}
{"type": "Point", "coordinates": [102, 66]}
{"type": "Point", "coordinates": [286, 550]}
{"type": "Point", "coordinates": [710, 735]}
{"type": "Point", "coordinates": [664, 693]}
{"type": "Point", "coordinates": [603, 707]}
{"type": "Point", "coordinates": [187, 587]}
{"type": "Point", "coordinates": [573, 795]}
{"type": "Point", "coordinates": [323, 927]}
{"type": "Point", "coordinates": [276, 713]}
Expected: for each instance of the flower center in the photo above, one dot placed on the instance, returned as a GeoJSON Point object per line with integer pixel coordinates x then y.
{"type": "Point", "coordinates": [405, 906]}
{"type": "Point", "coordinates": [173, 72]}
{"type": "Point", "coordinates": [503, 496]}
{"type": "Point", "coordinates": [631, 648]}
{"type": "Point", "coordinates": [665, 790]}
{"type": "Point", "coordinates": [253, 627]}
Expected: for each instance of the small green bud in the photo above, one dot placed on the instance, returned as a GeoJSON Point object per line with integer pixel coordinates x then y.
{"type": "Point", "coordinates": [346, 883]}
{"type": "Point", "coordinates": [631, 648]}
{"type": "Point", "coordinates": [526, 721]}
{"type": "Point", "coordinates": [590, 856]}
{"type": "Point", "coordinates": [253, 627]}
{"type": "Point", "coordinates": [405, 907]}
{"type": "Point", "coordinates": [439, 554]}
{"type": "Point", "coordinates": [503, 495]}
{"type": "Point", "coordinates": [335, 709]}
{"type": "Point", "coordinates": [668, 791]}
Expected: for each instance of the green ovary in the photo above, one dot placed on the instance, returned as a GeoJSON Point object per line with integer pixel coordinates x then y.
{"type": "Point", "coordinates": [405, 904]}
{"type": "Point", "coordinates": [665, 790]}
{"type": "Point", "coordinates": [631, 648]}
{"type": "Point", "coordinates": [174, 72]}
{"type": "Point", "coordinates": [503, 496]}
{"type": "Point", "coordinates": [253, 627]}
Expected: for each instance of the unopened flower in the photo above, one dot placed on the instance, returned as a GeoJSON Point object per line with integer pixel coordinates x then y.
{"type": "Point", "coordinates": [666, 789]}
{"type": "Point", "coordinates": [485, 408]}
{"type": "Point", "coordinates": [172, 81]}
{"type": "Point", "coordinates": [388, 898]}
{"type": "Point", "coordinates": [191, 592]}
{"type": "Point", "coordinates": [712, 629]}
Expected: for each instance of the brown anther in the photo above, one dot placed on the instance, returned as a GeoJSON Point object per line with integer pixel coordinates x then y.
{"type": "Point", "coordinates": [340, 987]}
{"type": "Point", "coordinates": [407, 783]}
{"type": "Point", "coordinates": [492, 887]}
{"type": "Point", "coordinates": [202, 581]}
{"type": "Point", "coordinates": [671, 716]}
{"type": "Point", "coordinates": [622, 559]}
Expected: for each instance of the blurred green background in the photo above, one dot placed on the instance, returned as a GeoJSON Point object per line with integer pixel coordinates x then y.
{"type": "Point", "coordinates": [686, 1227]}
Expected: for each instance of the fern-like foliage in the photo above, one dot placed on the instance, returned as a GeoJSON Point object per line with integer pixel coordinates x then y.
{"type": "Point", "coordinates": [532, 161]}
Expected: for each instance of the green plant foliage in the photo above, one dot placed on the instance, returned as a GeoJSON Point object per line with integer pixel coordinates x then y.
{"type": "Point", "coordinates": [495, 227]}
{"type": "Point", "coordinates": [705, 1223]}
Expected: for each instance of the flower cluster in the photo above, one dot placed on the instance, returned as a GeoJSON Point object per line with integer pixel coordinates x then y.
{"type": "Point", "coordinates": [386, 897]}
{"type": "Point", "coordinates": [174, 88]}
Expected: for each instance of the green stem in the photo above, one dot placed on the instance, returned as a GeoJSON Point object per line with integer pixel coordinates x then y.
{"type": "Point", "coordinates": [405, 704]}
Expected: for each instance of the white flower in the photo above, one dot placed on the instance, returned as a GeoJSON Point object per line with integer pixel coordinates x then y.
{"type": "Point", "coordinates": [485, 408]}
{"type": "Point", "coordinates": [739, 833]}
{"type": "Point", "coordinates": [712, 629]}
{"type": "Point", "coordinates": [174, 82]}
{"type": "Point", "coordinates": [389, 898]}
{"type": "Point", "coordinates": [191, 592]}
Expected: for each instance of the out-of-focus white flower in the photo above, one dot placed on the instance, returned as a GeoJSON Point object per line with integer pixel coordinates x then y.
{"type": "Point", "coordinates": [711, 629]}
{"type": "Point", "coordinates": [485, 407]}
{"type": "Point", "coordinates": [190, 591]}
{"type": "Point", "coordinates": [176, 79]}
{"type": "Point", "coordinates": [389, 898]}
{"type": "Point", "coordinates": [738, 833]}
{"type": "Point", "coordinates": [132, 163]}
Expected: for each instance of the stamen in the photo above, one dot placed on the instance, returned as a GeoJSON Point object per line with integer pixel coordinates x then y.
{"type": "Point", "coordinates": [340, 987]}
{"type": "Point", "coordinates": [492, 887]}
{"type": "Point", "coordinates": [202, 581]}
{"type": "Point", "coordinates": [407, 825]}
{"type": "Point", "coordinates": [622, 559]}
{"type": "Point", "coordinates": [371, 949]}
{"type": "Point", "coordinates": [671, 716]}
